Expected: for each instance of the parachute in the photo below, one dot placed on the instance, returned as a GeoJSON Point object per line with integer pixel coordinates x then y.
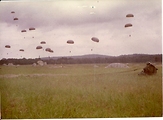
{"type": "Point", "coordinates": [15, 18]}
{"type": "Point", "coordinates": [32, 28]}
{"type": "Point", "coordinates": [39, 47]}
{"type": "Point", "coordinates": [70, 42]}
{"type": "Point", "coordinates": [42, 42]}
{"type": "Point", "coordinates": [95, 39]}
{"type": "Point", "coordinates": [49, 50]}
{"type": "Point", "coordinates": [21, 50]}
{"type": "Point", "coordinates": [12, 12]}
{"type": "Point", "coordinates": [129, 15]}
{"type": "Point", "coordinates": [7, 46]}
{"type": "Point", "coordinates": [128, 25]}
{"type": "Point", "coordinates": [23, 31]}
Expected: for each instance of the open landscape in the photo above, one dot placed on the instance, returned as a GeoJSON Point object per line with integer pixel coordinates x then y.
{"type": "Point", "coordinates": [80, 59]}
{"type": "Point", "coordinates": [79, 91]}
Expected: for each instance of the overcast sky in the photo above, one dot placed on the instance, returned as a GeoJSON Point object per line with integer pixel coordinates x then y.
{"type": "Point", "coordinates": [61, 20]}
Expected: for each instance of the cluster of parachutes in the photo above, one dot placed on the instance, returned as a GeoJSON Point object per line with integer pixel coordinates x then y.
{"type": "Point", "coordinates": [129, 24]}
{"type": "Point", "coordinates": [47, 49]}
{"type": "Point", "coordinates": [31, 28]}
{"type": "Point", "coordinates": [15, 19]}
{"type": "Point", "coordinates": [94, 39]}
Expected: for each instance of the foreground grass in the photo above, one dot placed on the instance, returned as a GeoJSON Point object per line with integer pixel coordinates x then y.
{"type": "Point", "coordinates": [84, 92]}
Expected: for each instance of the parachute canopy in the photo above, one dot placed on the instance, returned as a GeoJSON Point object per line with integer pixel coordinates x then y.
{"type": "Point", "coordinates": [12, 12]}
{"type": "Point", "coordinates": [32, 28]}
{"type": "Point", "coordinates": [23, 31]}
{"type": "Point", "coordinates": [39, 47]}
{"type": "Point", "coordinates": [95, 39]}
{"type": "Point", "coordinates": [43, 42]}
{"type": "Point", "coordinates": [128, 25]}
{"type": "Point", "coordinates": [15, 18]}
{"type": "Point", "coordinates": [70, 42]}
{"type": "Point", "coordinates": [21, 50]}
{"type": "Point", "coordinates": [48, 50]}
{"type": "Point", "coordinates": [7, 46]}
{"type": "Point", "coordinates": [129, 15]}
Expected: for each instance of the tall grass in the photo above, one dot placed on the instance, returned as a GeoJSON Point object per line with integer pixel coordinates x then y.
{"type": "Point", "coordinates": [111, 92]}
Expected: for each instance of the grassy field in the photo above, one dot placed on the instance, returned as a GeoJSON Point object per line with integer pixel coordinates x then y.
{"type": "Point", "coordinates": [79, 91]}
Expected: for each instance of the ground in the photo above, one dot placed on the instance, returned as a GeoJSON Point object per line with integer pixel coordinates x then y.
{"type": "Point", "coordinates": [79, 91]}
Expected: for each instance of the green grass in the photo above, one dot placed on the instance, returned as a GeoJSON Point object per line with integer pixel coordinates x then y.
{"type": "Point", "coordinates": [83, 92]}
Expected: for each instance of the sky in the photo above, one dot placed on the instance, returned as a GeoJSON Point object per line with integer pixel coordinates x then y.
{"type": "Point", "coordinates": [58, 21]}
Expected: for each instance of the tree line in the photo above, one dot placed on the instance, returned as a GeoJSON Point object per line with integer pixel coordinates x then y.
{"type": "Point", "coordinates": [134, 58]}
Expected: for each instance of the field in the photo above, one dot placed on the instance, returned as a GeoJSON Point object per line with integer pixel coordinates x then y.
{"type": "Point", "coordinates": [79, 91]}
